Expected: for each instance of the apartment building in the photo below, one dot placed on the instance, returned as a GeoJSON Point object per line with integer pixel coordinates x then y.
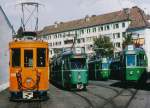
{"type": "Point", "coordinates": [116, 25]}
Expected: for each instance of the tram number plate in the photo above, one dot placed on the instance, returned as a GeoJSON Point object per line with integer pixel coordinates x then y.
{"type": "Point", "coordinates": [27, 95]}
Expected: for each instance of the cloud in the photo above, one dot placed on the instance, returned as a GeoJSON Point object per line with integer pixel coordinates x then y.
{"type": "Point", "coordinates": [65, 10]}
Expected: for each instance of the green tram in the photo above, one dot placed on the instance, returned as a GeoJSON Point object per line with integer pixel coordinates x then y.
{"type": "Point", "coordinates": [99, 69]}
{"type": "Point", "coordinates": [69, 70]}
{"type": "Point", "coordinates": [132, 64]}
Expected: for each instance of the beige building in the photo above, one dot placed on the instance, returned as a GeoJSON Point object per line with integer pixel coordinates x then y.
{"type": "Point", "coordinates": [115, 25]}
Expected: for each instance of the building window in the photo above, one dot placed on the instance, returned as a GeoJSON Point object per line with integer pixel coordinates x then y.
{"type": "Point", "coordinates": [123, 25]}
{"type": "Point", "coordinates": [118, 35]}
{"type": "Point", "coordinates": [118, 44]}
{"type": "Point", "coordinates": [60, 35]}
{"type": "Point", "coordinates": [102, 28]}
{"type": "Point", "coordinates": [94, 29]}
{"type": "Point", "coordinates": [123, 34]}
{"type": "Point", "coordinates": [50, 44]}
{"type": "Point", "coordinates": [115, 26]}
{"type": "Point", "coordinates": [78, 41]}
{"type": "Point", "coordinates": [114, 36]}
{"type": "Point", "coordinates": [88, 30]}
{"type": "Point", "coordinates": [64, 35]}
{"type": "Point", "coordinates": [82, 40]}
{"type": "Point", "coordinates": [108, 27]}
{"type": "Point", "coordinates": [82, 31]}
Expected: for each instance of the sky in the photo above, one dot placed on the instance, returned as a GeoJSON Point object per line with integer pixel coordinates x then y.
{"type": "Point", "coordinates": [66, 10]}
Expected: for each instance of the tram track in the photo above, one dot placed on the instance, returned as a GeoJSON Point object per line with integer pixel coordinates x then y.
{"type": "Point", "coordinates": [111, 100]}
{"type": "Point", "coordinates": [86, 99]}
{"type": "Point", "coordinates": [105, 86]}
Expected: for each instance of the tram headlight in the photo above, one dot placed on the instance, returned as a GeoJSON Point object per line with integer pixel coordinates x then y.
{"type": "Point", "coordinates": [70, 75]}
{"type": "Point", "coordinates": [131, 72]}
{"type": "Point", "coordinates": [28, 81]}
{"type": "Point", "coordinates": [79, 77]}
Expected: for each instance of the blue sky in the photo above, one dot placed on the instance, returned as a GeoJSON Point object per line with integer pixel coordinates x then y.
{"type": "Point", "coordinates": [65, 10]}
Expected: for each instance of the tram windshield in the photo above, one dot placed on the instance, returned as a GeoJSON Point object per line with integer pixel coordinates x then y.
{"type": "Point", "coordinates": [141, 60]}
{"type": "Point", "coordinates": [41, 57]}
{"type": "Point", "coordinates": [105, 66]}
{"type": "Point", "coordinates": [28, 58]}
{"type": "Point", "coordinates": [16, 57]}
{"type": "Point", "coordinates": [79, 63]}
{"type": "Point", "coordinates": [130, 59]}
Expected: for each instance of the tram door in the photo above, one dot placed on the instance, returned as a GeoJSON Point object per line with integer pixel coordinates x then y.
{"type": "Point", "coordinates": [42, 64]}
{"type": "Point", "coordinates": [28, 71]}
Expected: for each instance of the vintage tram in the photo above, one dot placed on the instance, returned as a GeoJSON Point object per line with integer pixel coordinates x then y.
{"type": "Point", "coordinates": [29, 69]}
{"type": "Point", "coordinates": [132, 64]}
{"type": "Point", "coordinates": [99, 69]}
{"type": "Point", "coordinates": [69, 70]}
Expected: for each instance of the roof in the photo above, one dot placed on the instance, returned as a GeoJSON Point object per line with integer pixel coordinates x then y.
{"type": "Point", "coordinates": [136, 15]}
{"type": "Point", "coordinates": [138, 19]}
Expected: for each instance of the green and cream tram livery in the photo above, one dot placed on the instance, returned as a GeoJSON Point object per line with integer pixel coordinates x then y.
{"type": "Point", "coordinates": [133, 64]}
{"type": "Point", "coordinates": [69, 70]}
{"type": "Point", "coordinates": [99, 69]}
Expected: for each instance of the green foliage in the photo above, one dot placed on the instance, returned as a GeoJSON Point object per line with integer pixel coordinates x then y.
{"type": "Point", "coordinates": [103, 46]}
{"type": "Point", "coordinates": [128, 40]}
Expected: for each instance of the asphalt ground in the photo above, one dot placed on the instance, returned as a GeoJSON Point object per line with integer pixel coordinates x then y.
{"type": "Point", "coordinates": [99, 94]}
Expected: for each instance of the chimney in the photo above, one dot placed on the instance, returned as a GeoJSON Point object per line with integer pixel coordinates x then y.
{"type": "Point", "coordinates": [93, 15]}
{"type": "Point", "coordinates": [87, 18]}
{"type": "Point", "coordinates": [127, 12]}
{"type": "Point", "coordinates": [56, 24]}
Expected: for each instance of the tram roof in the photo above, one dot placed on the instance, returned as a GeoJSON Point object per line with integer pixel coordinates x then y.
{"type": "Point", "coordinates": [135, 50]}
{"type": "Point", "coordinates": [28, 44]}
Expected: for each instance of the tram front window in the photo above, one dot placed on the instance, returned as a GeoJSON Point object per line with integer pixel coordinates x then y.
{"type": "Point", "coordinates": [130, 60]}
{"type": "Point", "coordinates": [78, 63]}
{"type": "Point", "coordinates": [104, 65]}
{"type": "Point", "coordinates": [28, 58]}
{"type": "Point", "coordinates": [41, 56]}
{"type": "Point", "coordinates": [16, 57]}
{"type": "Point", "coordinates": [140, 60]}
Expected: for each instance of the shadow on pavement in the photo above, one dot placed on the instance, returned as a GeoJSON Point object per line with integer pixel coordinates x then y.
{"type": "Point", "coordinates": [135, 85]}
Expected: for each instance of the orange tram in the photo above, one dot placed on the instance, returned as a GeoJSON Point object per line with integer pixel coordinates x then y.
{"type": "Point", "coordinates": [29, 70]}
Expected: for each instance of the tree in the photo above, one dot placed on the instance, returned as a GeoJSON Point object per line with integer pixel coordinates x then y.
{"type": "Point", "coordinates": [103, 46]}
{"type": "Point", "coordinates": [128, 40]}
